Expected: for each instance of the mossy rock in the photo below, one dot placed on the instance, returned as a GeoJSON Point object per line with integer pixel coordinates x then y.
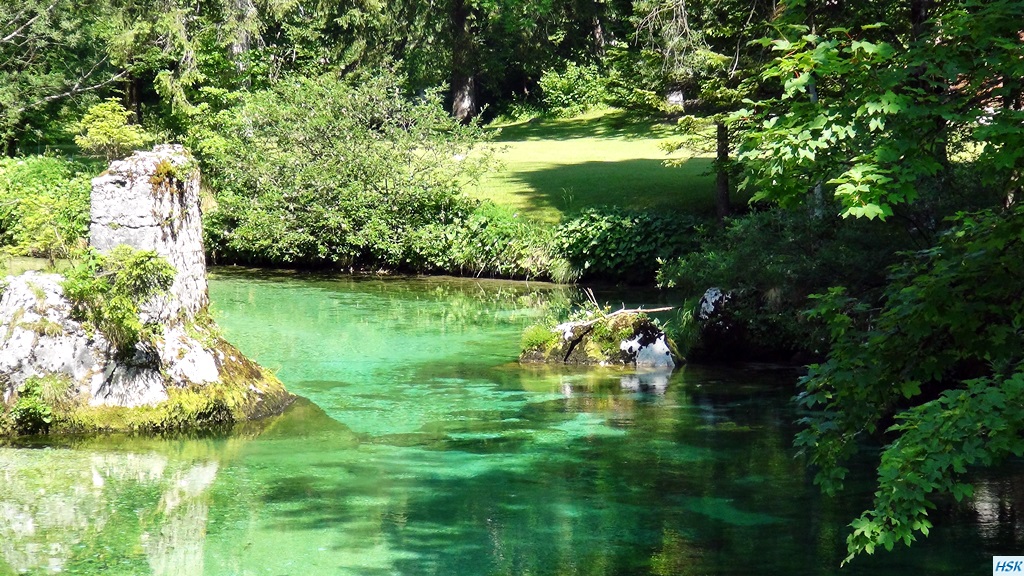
{"type": "Point", "coordinates": [246, 392]}
{"type": "Point", "coordinates": [617, 339]}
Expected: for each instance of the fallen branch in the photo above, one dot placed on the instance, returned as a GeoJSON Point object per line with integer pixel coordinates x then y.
{"type": "Point", "coordinates": [586, 323]}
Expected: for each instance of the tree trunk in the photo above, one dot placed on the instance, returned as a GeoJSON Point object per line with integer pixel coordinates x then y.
{"type": "Point", "coordinates": [920, 11]}
{"type": "Point", "coordinates": [464, 103]}
{"type": "Point", "coordinates": [240, 13]}
{"type": "Point", "coordinates": [599, 39]}
{"type": "Point", "coordinates": [463, 77]}
{"type": "Point", "coordinates": [132, 98]}
{"type": "Point", "coordinates": [722, 207]}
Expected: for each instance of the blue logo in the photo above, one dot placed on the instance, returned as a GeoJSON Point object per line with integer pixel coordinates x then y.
{"type": "Point", "coordinates": [1008, 565]}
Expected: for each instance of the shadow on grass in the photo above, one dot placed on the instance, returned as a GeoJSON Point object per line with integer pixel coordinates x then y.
{"type": "Point", "coordinates": [641, 184]}
{"type": "Point", "coordinates": [613, 125]}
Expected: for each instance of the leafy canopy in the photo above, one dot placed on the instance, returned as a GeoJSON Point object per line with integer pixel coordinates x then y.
{"type": "Point", "coordinates": [955, 399]}
{"type": "Point", "coordinates": [880, 117]}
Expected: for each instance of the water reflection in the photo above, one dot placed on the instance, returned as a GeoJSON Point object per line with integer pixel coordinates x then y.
{"type": "Point", "coordinates": [654, 381]}
{"type": "Point", "coordinates": [64, 510]}
{"type": "Point", "coordinates": [430, 452]}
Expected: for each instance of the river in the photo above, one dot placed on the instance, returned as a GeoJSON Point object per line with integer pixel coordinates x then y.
{"type": "Point", "coordinates": [423, 448]}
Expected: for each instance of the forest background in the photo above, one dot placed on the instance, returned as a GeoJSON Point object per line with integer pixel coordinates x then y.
{"type": "Point", "coordinates": [880, 145]}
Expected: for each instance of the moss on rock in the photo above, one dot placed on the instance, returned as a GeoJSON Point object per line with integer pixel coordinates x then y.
{"type": "Point", "coordinates": [246, 392]}
{"type": "Point", "coordinates": [619, 339]}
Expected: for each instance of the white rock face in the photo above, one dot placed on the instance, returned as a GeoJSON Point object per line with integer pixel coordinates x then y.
{"type": "Point", "coordinates": [150, 201]}
{"type": "Point", "coordinates": [712, 301]}
{"type": "Point", "coordinates": [43, 339]}
{"type": "Point", "coordinates": [38, 336]}
{"type": "Point", "coordinates": [655, 355]}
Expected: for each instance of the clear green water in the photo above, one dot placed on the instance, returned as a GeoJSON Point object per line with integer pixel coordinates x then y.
{"type": "Point", "coordinates": [426, 450]}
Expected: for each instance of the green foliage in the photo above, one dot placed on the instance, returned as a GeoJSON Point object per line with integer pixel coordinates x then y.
{"type": "Point", "coordinates": [39, 399]}
{"type": "Point", "coordinates": [44, 205]}
{"type": "Point", "coordinates": [572, 91]}
{"type": "Point", "coordinates": [538, 337]}
{"type": "Point", "coordinates": [784, 252]}
{"type": "Point", "coordinates": [621, 244]}
{"type": "Point", "coordinates": [328, 171]}
{"type": "Point", "coordinates": [773, 260]}
{"type": "Point", "coordinates": [608, 334]}
{"type": "Point", "coordinates": [957, 306]}
{"type": "Point", "coordinates": [682, 327]}
{"type": "Point", "coordinates": [47, 54]}
{"type": "Point", "coordinates": [107, 290]}
{"type": "Point", "coordinates": [30, 414]}
{"type": "Point", "coordinates": [105, 130]}
{"type": "Point", "coordinates": [636, 81]}
{"type": "Point", "coordinates": [491, 240]}
{"type": "Point", "coordinates": [879, 116]}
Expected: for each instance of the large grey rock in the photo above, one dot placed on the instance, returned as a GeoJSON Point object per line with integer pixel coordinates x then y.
{"type": "Point", "coordinates": [150, 201]}
{"type": "Point", "coordinates": [38, 337]}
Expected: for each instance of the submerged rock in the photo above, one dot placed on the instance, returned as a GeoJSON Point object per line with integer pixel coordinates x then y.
{"type": "Point", "coordinates": [624, 338]}
{"type": "Point", "coordinates": [62, 372]}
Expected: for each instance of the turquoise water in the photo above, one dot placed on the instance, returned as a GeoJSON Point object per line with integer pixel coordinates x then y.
{"type": "Point", "coordinates": [424, 449]}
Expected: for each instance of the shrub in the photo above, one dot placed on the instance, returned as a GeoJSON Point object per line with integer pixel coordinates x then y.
{"type": "Point", "coordinates": [773, 260]}
{"type": "Point", "coordinates": [624, 245]}
{"type": "Point", "coordinates": [572, 91]}
{"type": "Point", "coordinates": [538, 337]}
{"type": "Point", "coordinates": [491, 240]}
{"type": "Point", "coordinates": [329, 171]}
{"type": "Point", "coordinates": [38, 401]}
{"type": "Point", "coordinates": [44, 205]}
{"type": "Point", "coordinates": [107, 291]}
{"type": "Point", "coordinates": [784, 254]}
{"type": "Point", "coordinates": [105, 130]}
{"type": "Point", "coordinates": [636, 81]}
{"type": "Point", "coordinates": [682, 327]}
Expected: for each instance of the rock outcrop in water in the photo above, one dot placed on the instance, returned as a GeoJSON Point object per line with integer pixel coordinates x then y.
{"type": "Point", "coordinates": [57, 370]}
{"type": "Point", "coordinates": [623, 338]}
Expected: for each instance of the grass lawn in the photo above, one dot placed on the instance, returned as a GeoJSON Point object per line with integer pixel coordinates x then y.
{"type": "Point", "coordinates": [554, 166]}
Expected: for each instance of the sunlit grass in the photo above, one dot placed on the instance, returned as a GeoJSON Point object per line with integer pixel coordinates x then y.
{"type": "Point", "coordinates": [15, 265]}
{"type": "Point", "coordinates": [557, 166]}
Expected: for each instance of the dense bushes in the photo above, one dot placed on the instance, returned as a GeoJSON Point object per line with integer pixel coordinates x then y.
{"type": "Point", "coordinates": [107, 291]}
{"type": "Point", "coordinates": [933, 369]}
{"type": "Point", "coordinates": [628, 80]}
{"type": "Point", "coordinates": [624, 245]}
{"type": "Point", "coordinates": [572, 91]}
{"type": "Point", "coordinates": [324, 171]}
{"type": "Point", "coordinates": [44, 205]}
{"type": "Point", "coordinates": [773, 260]}
{"type": "Point", "coordinates": [489, 241]}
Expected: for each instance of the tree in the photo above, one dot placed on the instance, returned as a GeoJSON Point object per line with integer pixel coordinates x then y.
{"type": "Point", "coordinates": [334, 171]}
{"type": "Point", "coordinates": [46, 57]}
{"type": "Point", "coordinates": [952, 405]}
{"type": "Point", "coordinates": [860, 107]}
{"type": "Point", "coordinates": [886, 115]}
{"type": "Point", "coordinates": [706, 53]}
{"type": "Point", "coordinates": [105, 129]}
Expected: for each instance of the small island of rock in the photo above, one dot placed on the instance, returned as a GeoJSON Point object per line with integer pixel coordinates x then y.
{"type": "Point", "coordinates": [621, 338]}
{"type": "Point", "coordinates": [78, 353]}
